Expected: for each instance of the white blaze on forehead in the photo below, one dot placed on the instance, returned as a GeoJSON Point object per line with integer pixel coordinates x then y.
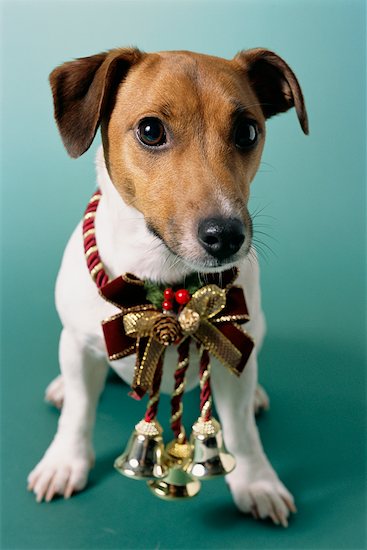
{"type": "Point", "coordinates": [224, 205]}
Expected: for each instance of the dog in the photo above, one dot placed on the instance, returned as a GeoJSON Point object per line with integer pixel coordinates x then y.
{"type": "Point", "coordinates": [182, 138]}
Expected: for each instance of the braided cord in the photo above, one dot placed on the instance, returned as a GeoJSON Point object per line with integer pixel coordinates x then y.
{"type": "Point", "coordinates": [205, 389]}
{"type": "Point", "coordinates": [179, 388]}
{"type": "Point", "coordinates": [152, 407]}
{"type": "Point", "coordinates": [92, 257]}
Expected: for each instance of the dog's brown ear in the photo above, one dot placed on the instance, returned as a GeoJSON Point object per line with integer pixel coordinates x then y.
{"type": "Point", "coordinates": [274, 83]}
{"type": "Point", "coordinates": [83, 90]}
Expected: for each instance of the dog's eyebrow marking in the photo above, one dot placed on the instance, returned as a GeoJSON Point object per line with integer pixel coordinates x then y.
{"type": "Point", "coordinates": [240, 109]}
{"type": "Point", "coordinates": [166, 110]}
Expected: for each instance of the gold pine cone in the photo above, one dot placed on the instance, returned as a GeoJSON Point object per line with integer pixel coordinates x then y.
{"type": "Point", "coordinates": [166, 330]}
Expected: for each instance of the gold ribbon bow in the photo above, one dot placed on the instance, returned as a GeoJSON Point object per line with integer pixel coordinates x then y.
{"type": "Point", "coordinates": [197, 319]}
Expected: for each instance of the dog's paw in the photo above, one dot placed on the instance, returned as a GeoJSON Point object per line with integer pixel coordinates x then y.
{"type": "Point", "coordinates": [264, 499]}
{"type": "Point", "coordinates": [261, 400]}
{"type": "Point", "coordinates": [62, 471]}
{"type": "Point", "coordinates": [54, 393]}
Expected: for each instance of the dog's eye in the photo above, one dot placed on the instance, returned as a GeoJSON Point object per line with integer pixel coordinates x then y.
{"type": "Point", "coordinates": [245, 134]}
{"type": "Point", "coordinates": [151, 132]}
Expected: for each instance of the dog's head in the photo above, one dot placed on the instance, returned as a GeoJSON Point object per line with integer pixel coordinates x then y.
{"type": "Point", "coordinates": [182, 134]}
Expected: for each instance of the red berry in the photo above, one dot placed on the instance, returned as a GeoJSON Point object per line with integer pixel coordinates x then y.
{"type": "Point", "coordinates": [167, 305]}
{"type": "Point", "coordinates": [168, 294]}
{"type": "Point", "coordinates": [182, 296]}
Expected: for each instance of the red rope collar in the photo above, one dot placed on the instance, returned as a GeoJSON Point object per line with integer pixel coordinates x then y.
{"type": "Point", "coordinates": [92, 256]}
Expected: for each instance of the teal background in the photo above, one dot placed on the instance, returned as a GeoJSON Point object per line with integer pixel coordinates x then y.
{"type": "Point", "coordinates": [310, 191]}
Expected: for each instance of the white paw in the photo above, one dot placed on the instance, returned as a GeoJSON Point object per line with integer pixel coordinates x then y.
{"type": "Point", "coordinates": [62, 471]}
{"type": "Point", "coordinates": [54, 393]}
{"type": "Point", "coordinates": [261, 400]}
{"type": "Point", "coordinates": [264, 499]}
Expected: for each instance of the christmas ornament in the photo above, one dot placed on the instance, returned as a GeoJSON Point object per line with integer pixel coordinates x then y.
{"type": "Point", "coordinates": [144, 456]}
{"type": "Point", "coordinates": [210, 457]}
{"type": "Point", "coordinates": [151, 318]}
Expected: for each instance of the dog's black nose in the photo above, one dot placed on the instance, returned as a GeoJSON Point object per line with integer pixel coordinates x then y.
{"type": "Point", "coordinates": [221, 237]}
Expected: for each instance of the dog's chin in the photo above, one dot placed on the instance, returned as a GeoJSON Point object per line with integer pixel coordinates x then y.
{"type": "Point", "coordinates": [210, 266]}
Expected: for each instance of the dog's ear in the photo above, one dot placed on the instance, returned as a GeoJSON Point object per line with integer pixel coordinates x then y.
{"type": "Point", "coordinates": [274, 83]}
{"type": "Point", "coordinates": [83, 90]}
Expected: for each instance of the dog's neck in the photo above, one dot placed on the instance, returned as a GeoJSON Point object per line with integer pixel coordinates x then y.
{"type": "Point", "coordinates": [125, 243]}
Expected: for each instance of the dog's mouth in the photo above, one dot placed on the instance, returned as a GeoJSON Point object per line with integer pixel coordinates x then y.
{"type": "Point", "coordinates": [198, 259]}
{"type": "Point", "coordinates": [209, 266]}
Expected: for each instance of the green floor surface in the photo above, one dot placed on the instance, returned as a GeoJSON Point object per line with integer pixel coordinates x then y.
{"type": "Point", "coordinates": [314, 435]}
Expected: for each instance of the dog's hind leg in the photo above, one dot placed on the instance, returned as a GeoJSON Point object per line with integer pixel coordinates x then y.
{"type": "Point", "coordinates": [261, 399]}
{"type": "Point", "coordinates": [65, 465]}
{"type": "Point", "coordinates": [54, 393]}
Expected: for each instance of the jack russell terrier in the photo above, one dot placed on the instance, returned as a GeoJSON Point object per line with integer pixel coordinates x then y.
{"type": "Point", "coordinates": [182, 136]}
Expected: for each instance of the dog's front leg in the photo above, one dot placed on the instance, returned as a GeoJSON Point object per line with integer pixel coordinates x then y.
{"type": "Point", "coordinates": [254, 484]}
{"type": "Point", "coordinates": [65, 465]}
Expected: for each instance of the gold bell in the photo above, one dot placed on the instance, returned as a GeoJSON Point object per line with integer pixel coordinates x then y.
{"type": "Point", "coordinates": [177, 484]}
{"type": "Point", "coordinates": [144, 454]}
{"type": "Point", "coordinates": [210, 457]}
